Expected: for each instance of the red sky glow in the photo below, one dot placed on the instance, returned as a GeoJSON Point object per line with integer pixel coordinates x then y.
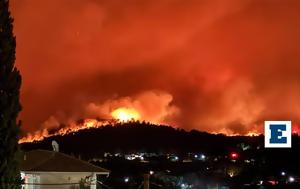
{"type": "Point", "coordinates": [213, 65]}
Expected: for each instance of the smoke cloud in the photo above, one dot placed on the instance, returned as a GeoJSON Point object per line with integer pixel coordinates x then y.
{"type": "Point", "coordinates": [152, 106]}
{"type": "Point", "coordinates": [213, 65]}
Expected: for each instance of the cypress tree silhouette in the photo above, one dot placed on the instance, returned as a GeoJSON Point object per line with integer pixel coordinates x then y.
{"type": "Point", "coordinates": [10, 82]}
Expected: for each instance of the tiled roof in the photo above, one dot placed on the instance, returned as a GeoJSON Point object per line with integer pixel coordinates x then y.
{"type": "Point", "coordinates": [50, 161]}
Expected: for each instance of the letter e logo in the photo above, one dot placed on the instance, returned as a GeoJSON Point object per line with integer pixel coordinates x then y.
{"type": "Point", "coordinates": [278, 134]}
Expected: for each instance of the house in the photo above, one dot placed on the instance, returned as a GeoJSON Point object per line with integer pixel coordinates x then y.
{"type": "Point", "coordinates": [43, 169]}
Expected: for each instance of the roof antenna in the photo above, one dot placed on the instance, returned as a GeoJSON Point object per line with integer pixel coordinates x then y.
{"type": "Point", "coordinates": [55, 146]}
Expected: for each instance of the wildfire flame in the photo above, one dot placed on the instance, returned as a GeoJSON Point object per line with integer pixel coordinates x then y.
{"type": "Point", "coordinates": [126, 114]}
{"type": "Point", "coordinates": [71, 128]}
{"type": "Point", "coordinates": [296, 129]}
{"type": "Point", "coordinates": [118, 115]}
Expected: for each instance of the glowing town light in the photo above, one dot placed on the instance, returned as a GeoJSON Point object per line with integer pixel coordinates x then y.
{"type": "Point", "coordinates": [183, 186]}
{"type": "Point", "coordinates": [125, 114]}
{"type": "Point", "coordinates": [291, 179]}
{"type": "Point", "coordinates": [126, 179]}
{"type": "Point", "coordinates": [151, 172]}
{"type": "Point", "coordinates": [231, 174]}
{"type": "Point", "coordinates": [272, 182]}
{"type": "Point", "coordinates": [234, 155]}
{"type": "Point", "coordinates": [282, 173]}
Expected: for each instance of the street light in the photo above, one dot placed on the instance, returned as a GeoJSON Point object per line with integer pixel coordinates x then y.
{"type": "Point", "coordinates": [291, 179]}
{"type": "Point", "coordinates": [126, 179]}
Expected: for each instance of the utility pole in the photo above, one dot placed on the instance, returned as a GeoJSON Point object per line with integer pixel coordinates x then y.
{"type": "Point", "coordinates": [147, 181]}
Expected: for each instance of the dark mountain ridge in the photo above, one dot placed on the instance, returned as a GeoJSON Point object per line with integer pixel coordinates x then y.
{"type": "Point", "coordinates": [136, 136]}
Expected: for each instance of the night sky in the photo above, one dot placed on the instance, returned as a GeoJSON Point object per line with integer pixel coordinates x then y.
{"type": "Point", "coordinates": [213, 65]}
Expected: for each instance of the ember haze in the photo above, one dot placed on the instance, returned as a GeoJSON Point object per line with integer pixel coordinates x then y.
{"type": "Point", "coordinates": [213, 65]}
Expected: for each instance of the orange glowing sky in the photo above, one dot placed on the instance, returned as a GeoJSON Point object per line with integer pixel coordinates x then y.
{"type": "Point", "coordinates": [214, 65]}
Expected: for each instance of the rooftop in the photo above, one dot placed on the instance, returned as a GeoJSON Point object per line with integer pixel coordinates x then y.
{"type": "Point", "coordinates": [50, 161]}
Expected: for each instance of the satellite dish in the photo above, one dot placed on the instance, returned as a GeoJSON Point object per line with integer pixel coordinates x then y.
{"type": "Point", "coordinates": [55, 146]}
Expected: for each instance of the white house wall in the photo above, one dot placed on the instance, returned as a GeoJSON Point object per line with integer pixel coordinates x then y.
{"type": "Point", "coordinates": [56, 180]}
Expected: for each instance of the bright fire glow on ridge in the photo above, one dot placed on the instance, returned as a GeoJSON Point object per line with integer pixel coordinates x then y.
{"type": "Point", "coordinates": [126, 114]}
